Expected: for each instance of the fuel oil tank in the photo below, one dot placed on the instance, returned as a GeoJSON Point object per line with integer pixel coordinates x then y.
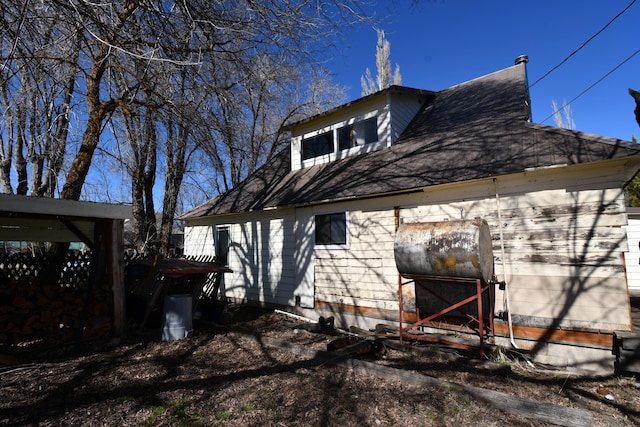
{"type": "Point", "coordinates": [455, 249]}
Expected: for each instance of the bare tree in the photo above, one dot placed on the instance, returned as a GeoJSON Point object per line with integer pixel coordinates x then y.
{"type": "Point", "coordinates": [139, 68]}
{"type": "Point", "coordinates": [247, 120]}
{"type": "Point", "coordinates": [562, 115]}
{"type": "Point", "coordinates": [384, 77]}
{"type": "Point", "coordinates": [37, 91]}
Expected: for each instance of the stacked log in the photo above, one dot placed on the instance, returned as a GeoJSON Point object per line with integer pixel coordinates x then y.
{"type": "Point", "coordinates": [35, 310]}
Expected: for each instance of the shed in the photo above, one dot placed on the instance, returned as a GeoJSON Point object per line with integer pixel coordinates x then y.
{"type": "Point", "coordinates": [41, 297]}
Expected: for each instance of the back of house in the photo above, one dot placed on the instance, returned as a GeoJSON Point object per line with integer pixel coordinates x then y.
{"type": "Point", "coordinates": [313, 230]}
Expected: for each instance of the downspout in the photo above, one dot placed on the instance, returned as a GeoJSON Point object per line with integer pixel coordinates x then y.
{"type": "Point", "coordinates": [396, 217]}
{"type": "Point", "coordinates": [504, 267]}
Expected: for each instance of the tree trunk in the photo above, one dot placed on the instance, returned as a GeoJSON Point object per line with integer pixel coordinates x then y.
{"type": "Point", "coordinates": [176, 165]}
{"type": "Point", "coordinates": [20, 161]}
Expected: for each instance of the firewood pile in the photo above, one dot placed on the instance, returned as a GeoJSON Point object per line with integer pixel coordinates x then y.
{"type": "Point", "coordinates": [35, 307]}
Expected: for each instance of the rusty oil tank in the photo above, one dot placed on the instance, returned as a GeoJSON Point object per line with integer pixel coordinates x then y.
{"type": "Point", "coordinates": [457, 249]}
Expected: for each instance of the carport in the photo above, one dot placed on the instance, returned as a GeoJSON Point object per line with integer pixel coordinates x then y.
{"type": "Point", "coordinates": [99, 226]}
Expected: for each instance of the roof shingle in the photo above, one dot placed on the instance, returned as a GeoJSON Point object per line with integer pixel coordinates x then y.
{"type": "Point", "coordinates": [473, 130]}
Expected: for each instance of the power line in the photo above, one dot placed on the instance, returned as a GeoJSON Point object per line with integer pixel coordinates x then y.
{"type": "Point", "coordinates": [583, 44]}
{"type": "Point", "coordinates": [596, 82]}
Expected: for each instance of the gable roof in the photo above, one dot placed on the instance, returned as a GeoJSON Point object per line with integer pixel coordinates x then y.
{"type": "Point", "coordinates": [474, 130]}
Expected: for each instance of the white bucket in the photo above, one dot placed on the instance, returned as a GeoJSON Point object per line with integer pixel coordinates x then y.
{"type": "Point", "coordinates": [177, 322]}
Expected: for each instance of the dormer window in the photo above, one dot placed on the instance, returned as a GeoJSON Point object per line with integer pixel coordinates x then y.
{"type": "Point", "coordinates": [317, 145]}
{"type": "Point", "coordinates": [359, 133]}
{"type": "Point", "coordinates": [359, 127]}
{"type": "Point", "coordinates": [349, 136]}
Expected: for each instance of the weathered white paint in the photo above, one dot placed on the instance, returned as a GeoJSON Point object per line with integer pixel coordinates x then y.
{"type": "Point", "coordinates": [563, 248]}
{"type": "Point", "coordinates": [562, 231]}
{"type": "Point", "coordinates": [365, 275]}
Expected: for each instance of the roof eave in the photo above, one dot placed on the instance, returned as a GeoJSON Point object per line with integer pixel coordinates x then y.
{"type": "Point", "coordinates": [355, 102]}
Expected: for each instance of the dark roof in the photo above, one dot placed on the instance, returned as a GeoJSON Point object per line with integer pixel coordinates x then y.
{"type": "Point", "coordinates": [473, 130]}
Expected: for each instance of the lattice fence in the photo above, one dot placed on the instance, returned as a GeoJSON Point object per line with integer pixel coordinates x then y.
{"type": "Point", "coordinates": [74, 273]}
{"type": "Point", "coordinates": [41, 300]}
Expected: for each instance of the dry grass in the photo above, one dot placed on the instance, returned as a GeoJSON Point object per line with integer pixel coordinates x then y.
{"type": "Point", "coordinates": [228, 377]}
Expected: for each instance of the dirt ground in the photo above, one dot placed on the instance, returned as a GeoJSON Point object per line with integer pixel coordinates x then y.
{"type": "Point", "coordinates": [252, 373]}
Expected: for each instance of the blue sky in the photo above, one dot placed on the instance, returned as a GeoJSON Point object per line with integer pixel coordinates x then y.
{"type": "Point", "coordinates": [440, 43]}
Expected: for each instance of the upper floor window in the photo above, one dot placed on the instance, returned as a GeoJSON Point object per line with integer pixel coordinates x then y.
{"type": "Point", "coordinates": [317, 145]}
{"type": "Point", "coordinates": [358, 133]}
{"type": "Point", "coordinates": [345, 137]}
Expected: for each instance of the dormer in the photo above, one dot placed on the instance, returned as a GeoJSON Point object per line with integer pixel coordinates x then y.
{"type": "Point", "coordinates": [371, 123]}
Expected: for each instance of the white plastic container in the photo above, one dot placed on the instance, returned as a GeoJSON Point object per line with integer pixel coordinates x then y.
{"type": "Point", "coordinates": [177, 320]}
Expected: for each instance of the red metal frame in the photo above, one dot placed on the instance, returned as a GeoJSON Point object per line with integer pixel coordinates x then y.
{"type": "Point", "coordinates": [480, 290]}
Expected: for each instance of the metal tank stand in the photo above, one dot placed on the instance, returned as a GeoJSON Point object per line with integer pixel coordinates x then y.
{"type": "Point", "coordinates": [481, 288]}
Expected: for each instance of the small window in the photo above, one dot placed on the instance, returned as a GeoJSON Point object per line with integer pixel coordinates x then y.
{"type": "Point", "coordinates": [346, 137]}
{"type": "Point", "coordinates": [359, 133]}
{"type": "Point", "coordinates": [367, 131]}
{"type": "Point", "coordinates": [317, 145]}
{"type": "Point", "coordinates": [331, 229]}
{"type": "Point", "coordinates": [222, 245]}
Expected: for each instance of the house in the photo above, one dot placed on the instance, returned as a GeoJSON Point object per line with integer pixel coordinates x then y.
{"type": "Point", "coordinates": [313, 230]}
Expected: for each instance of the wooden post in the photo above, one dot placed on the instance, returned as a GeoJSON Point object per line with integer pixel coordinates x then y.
{"type": "Point", "coordinates": [115, 255]}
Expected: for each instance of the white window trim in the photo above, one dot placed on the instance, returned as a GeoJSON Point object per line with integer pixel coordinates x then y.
{"type": "Point", "coordinates": [340, 154]}
{"type": "Point", "coordinates": [347, 245]}
{"type": "Point", "coordinates": [216, 240]}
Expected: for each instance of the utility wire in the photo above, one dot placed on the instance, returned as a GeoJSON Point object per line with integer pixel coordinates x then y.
{"type": "Point", "coordinates": [596, 82]}
{"type": "Point", "coordinates": [583, 44]}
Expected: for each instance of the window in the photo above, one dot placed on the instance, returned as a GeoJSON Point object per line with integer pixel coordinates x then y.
{"type": "Point", "coordinates": [331, 229]}
{"type": "Point", "coordinates": [359, 133]}
{"type": "Point", "coordinates": [349, 136]}
{"type": "Point", "coordinates": [222, 245]}
{"type": "Point", "coordinates": [317, 145]}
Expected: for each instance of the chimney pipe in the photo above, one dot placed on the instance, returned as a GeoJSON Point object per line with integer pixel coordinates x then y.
{"type": "Point", "coordinates": [522, 58]}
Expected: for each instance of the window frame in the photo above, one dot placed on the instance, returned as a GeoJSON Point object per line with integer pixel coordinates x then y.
{"type": "Point", "coordinates": [346, 244]}
{"type": "Point", "coordinates": [222, 229]}
{"type": "Point", "coordinates": [332, 135]}
{"type": "Point", "coordinates": [312, 142]}
{"type": "Point", "coordinates": [356, 133]}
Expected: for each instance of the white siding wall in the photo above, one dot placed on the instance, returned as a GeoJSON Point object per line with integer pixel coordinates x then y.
{"type": "Point", "coordinates": [198, 240]}
{"type": "Point", "coordinates": [263, 255]}
{"type": "Point", "coordinates": [632, 256]}
{"type": "Point", "coordinates": [563, 247]}
{"type": "Point", "coordinates": [562, 233]}
{"type": "Point", "coordinates": [404, 108]}
{"type": "Point", "coordinates": [365, 274]}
